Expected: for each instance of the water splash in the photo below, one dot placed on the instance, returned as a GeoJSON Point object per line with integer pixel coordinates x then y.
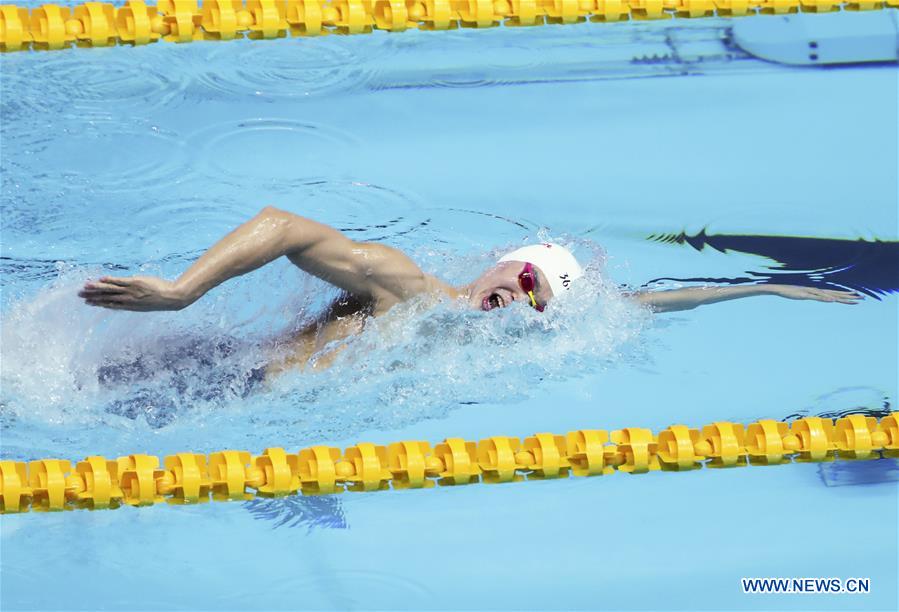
{"type": "Point", "coordinates": [77, 379]}
{"type": "Point", "coordinates": [78, 373]}
{"type": "Point", "coordinates": [428, 356]}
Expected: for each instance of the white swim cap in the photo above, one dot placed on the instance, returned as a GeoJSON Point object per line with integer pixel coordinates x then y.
{"type": "Point", "coordinates": [556, 262]}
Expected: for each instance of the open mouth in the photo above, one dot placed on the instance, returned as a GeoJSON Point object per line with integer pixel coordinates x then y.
{"type": "Point", "coordinates": [494, 300]}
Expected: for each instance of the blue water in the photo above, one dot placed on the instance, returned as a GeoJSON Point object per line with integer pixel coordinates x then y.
{"type": "Point", "coordinates": [454, 147]}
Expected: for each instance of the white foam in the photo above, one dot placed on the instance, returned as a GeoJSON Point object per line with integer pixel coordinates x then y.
{"type": "Point", "coordinates": [185, 387]}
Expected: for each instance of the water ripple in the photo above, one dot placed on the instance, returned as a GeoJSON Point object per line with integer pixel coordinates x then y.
{"type": "Point", "coordinates": [465, 230]}
{"type": "Point", "coordinates": [188, 222]}
{"type": "Point", "coordinates": [230, 152]}
{"type": "Point", "coordinates": [296, 68]}
{"type": "Point", "coordinates": [106, 153]}
{"type": "Point", "coordinates": [66, 83]}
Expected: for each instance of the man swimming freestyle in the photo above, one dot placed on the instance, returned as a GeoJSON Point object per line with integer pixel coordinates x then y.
{"type": "Point", "coordinates": [374, 277]}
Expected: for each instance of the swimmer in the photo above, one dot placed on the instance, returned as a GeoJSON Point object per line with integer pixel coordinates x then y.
{"type": "Point", "coordinates": [374, 277]}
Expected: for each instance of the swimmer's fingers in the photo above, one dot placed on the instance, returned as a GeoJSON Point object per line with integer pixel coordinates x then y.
{"type": "Point", "coordinates": [108, 303]}
{"type": "Point", "coordinates": [821, 295]}
{"type": "Point", "coordinates": [849, 297]}
{"type": "Point", "coordinates": [124, 302]}
{"type": "Point", "coordinates": [835, 295]}
{"type": "Point", "coordinates": [107, 285]}
{"type": "Point", "coordinates": [101, 288]}
{"type": "Point", "coordinates": [140, 293]}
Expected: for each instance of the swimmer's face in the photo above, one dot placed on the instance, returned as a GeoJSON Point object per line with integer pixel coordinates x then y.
{"type": "Point", "coordinates": [498, 287]}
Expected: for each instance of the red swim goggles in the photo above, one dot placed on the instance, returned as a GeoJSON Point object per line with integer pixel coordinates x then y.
{"type": "Point", "coordinates": [527, 279]}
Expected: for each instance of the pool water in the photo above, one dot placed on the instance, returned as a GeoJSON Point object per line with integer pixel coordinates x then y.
{"type": "Point", "coordinates": [455, 147]}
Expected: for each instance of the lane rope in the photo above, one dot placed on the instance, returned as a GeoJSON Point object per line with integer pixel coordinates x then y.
{"type": "Point", "coordinates": [189, 478]}
{"type": "Point", "coordinates": [100, 24]}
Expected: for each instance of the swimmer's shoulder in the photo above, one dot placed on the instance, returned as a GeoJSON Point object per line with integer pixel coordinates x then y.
{"type": "Point", "coordinates": [426, 285]}
{"type": "Point", "coordinates": [394, 277]}
{"type": "Point", "coordinates": [438, 287]}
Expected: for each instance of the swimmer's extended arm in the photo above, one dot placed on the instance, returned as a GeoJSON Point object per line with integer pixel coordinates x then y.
{"type": "Point", "coordinates": [367, 270]}
{"type": "Point", "coordinates": [687, 299]}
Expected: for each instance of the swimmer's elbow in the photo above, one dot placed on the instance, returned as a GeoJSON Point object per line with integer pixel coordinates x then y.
{"type": "Point", "coordinates": [273, 213]}
{"type": "Point", "coordinates": [278, 217]}
{"type": "Point", "coordinates": [299, 235]}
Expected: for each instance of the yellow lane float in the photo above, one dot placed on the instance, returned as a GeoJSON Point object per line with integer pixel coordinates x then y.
{"type": "Point", "coordinates": [189, 478]}
{"type": "Point", "coordinates": [100, 24]}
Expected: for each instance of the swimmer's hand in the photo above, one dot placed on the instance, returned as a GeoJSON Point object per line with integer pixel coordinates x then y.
{"type": "Point", "coordinates": [794, 292]}
{"type": "Point", "coordinates": [140, 293]}
{"type": "Point", "coordinates": [691, 297]}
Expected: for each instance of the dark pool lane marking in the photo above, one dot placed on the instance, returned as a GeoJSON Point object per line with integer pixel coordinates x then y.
{"type": "Point", "coordinates": [868, 267]}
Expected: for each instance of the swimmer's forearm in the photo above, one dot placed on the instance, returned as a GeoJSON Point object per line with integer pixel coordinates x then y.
{"type": "Point", "coordinates": [687, 299]}
{"type": "Point", "coordinates": [264, 238]}
{"type": "Point", "coordinates": [690, 298]}
{"type": "Point", "coordinates": [257, 242]}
